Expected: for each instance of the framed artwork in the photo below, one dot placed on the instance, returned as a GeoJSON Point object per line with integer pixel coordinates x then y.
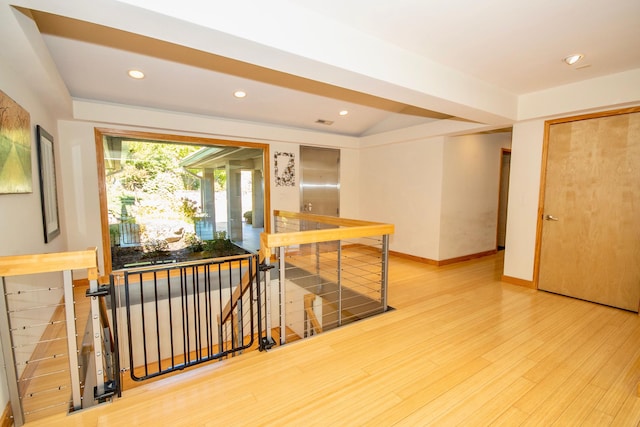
{"type": "Point", "coordinates": [284, 169]}
{"type": "Point", "coordinates": [15, 147]}
{"type": "Point", "coordinates": [48, 193]}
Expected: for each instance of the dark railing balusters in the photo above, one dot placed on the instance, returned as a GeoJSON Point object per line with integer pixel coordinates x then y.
{"type": "Point", "coordinates": [169, 308]}
{"type": "Point", "coordinates": [155, 300]}
{"type": "Point", "coordinates": [221, 329]}
{"type": "Point", "coordinates": [204, 309]}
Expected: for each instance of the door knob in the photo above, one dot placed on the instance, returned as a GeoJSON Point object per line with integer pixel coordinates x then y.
{"type": "Point", "coordinates": [550, 218]}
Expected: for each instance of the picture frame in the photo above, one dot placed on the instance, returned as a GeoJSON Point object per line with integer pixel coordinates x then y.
{"type": "Point", "coordinates": [15, 147]}
{"type": "Point", "coordinates": [284, 169]}
{"type": "Point", "coordinates": [48, 188]}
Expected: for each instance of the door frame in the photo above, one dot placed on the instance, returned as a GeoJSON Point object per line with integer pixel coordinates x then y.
{"type": "Point", "coordinates": [543, 174]}
{"type": "Point", "coordinates": [501, 192]}
{"type": "Point", "coordinates": [100, 133]}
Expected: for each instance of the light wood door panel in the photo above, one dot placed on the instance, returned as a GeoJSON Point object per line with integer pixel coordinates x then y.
{"type": "Point", "coordinates": [592, 188]}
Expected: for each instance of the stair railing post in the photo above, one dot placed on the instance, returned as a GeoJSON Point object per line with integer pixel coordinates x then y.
{"type": "Point", "coordinates": [283, 300]}
{"type": "Point", "coordinates": [339, 273]}
{"type": "Point", "coordinates": [267, 304]}
{"type": "Point", "coordinates": [385, 271]}
{"type": "Point", "coordinates": [96, 336]}
{"type": "Point", "coordinates": [72, 345]}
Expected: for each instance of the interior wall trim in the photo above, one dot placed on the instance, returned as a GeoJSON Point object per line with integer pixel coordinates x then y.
{"type": "Point", "coordinates": [519, 282]}
{"type": "Point", "coordinates": [467, 257]}
{"type": "Point", "coordinates": [414, 258]}
{"type": "Point", "coordinates": [442, 262]}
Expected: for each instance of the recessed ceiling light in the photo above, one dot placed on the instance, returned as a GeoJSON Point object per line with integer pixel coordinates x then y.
{"type": "Point", "coordinates": [136, 74]}
{"type": "Point", "coordinates": [344, 112]}
{"type": "Point", "coordinates": [239, 94]}
{"type": "Point", "coordinates": [572, 59]}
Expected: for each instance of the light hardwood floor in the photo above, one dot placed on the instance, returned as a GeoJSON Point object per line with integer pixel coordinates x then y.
{"type": "Point", "coordinates": [460, 348]}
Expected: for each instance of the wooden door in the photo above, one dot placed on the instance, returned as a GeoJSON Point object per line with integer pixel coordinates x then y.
{"type": "Point", "coordinates": [590, 236]}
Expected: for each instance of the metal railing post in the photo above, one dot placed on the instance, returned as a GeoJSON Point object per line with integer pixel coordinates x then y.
{"type": "Point", "coordinates": [115, 304]}
{"type": "Point", "coordinates": [267, 304]}
{"type": "Point", "coordinates": [9, 360]}
{"type": "Point", "coordinates": [385, 271]}
{"type": "Point", "coordinates": [339, 273]}
{"type": "Point", "coordinates": [72, 344]}
{"type": "Point", "coordinates": [283, 300]}
{"type": "Point", "coordinates": [96, 329]}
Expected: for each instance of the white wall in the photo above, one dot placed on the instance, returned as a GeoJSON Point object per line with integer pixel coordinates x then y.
{"type": "Point", "coordinates": [21, 229]}
{"type": "Point", "coordinates": [79, 168]}
{"type": "Point", "coordinates": [470, 192]}
{"type": "Point", "coordinates": [350, 183]}
{"type": "Point", "coordinates": [440, 193]}
{"type": "Point", "coordinates": [524, 189]}
{"type": "Point", "coordinates": [401, 184]}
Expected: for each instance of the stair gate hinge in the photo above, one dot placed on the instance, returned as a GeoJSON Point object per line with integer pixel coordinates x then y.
{"type": "Point", "coordinates": [109, 390]}
{"type": "Point", "coordinates": [103, 290]}
{"type": "Point", "coordinates": [266, 343]}
{"type": "Point", "coordinates": [266, 267]}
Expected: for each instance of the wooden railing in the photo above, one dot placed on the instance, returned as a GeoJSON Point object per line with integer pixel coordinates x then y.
{"type": "Point", "coordinates": [26, 305]}
{"type": "Point", "coordinates": [342, 261]}
{"type": "Point", "coordinates": [19, 265]}
{"type": "Point", "coordinates": [346, 229]}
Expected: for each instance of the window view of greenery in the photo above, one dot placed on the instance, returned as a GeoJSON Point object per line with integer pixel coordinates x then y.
{"type": "Point", "coordinates": [155, 203]}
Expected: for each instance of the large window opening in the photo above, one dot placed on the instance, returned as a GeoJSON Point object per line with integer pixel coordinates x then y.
{"type": "Point", "coordinates": [171, 199]}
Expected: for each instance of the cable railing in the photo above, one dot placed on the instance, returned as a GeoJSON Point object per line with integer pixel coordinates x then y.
{"type": "Point", "coordinates": [331, 271]}
{"type": "Point", "coordinates": [46, 370]}
{"type": "Point", "coordinates": [174, 316]}
{"type": "Point", "coordinates": [167, 317]}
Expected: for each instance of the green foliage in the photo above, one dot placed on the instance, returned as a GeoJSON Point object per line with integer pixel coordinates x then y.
{"type": "Point", "coordinates": [150, 183]}
{"type": "Point", "coordinates": [155, 246]}
{"type": "Point", "coordinates": [194, 243]}
{"type": "Point", "coordinates": [155, 167]}
{"type": "Point", "coordinates": [219, 235]}
{"type": "Point", "coordinates": [114, 234]}
{"type": "Point", "coordinates": [220, 178]}
{"type": "Point", "coordinates": [248, 217]}
{"type": "Point", "coordinates": [189, 209]}
{"type": "Point", "coordinates": [218, 246]}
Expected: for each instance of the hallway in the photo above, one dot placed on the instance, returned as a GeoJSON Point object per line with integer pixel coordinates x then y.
{"type": "Point", "coordinates": [460, 348]}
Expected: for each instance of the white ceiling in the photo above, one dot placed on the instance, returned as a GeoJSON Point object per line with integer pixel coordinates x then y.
{"type": "Point", "coordinates": [516, 45]}
{"type": "Point", "coordinates": [513, 45]}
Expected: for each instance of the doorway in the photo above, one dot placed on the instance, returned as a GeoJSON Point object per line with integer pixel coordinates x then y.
{"type": "Point", "coordinates": [503, 197]}
{"type": "Point", "coordinates": [589, 221]}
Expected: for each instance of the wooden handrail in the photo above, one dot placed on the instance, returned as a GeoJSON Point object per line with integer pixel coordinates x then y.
{"type": "Point", "coordinates": [17, 265]}
{"type": "Point", "coordinates": [350, 229]}
{"type": "Point", "coordinates": [324, 219]}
